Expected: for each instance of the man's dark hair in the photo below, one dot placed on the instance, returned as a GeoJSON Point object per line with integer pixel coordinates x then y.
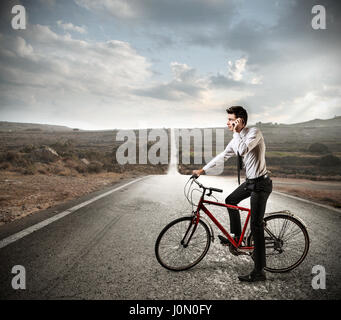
{"type": "Point", "coordinates": [239, 112]}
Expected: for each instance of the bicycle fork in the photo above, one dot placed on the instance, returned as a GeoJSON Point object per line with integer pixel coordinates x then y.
{"type": "Point", "coordinates": [189, 233]}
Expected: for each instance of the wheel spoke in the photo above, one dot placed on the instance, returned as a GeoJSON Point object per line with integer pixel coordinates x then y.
{"type": "Point", "coordinates": [287, 243]}
{"type": "Point", "coordinates": [172, 254]}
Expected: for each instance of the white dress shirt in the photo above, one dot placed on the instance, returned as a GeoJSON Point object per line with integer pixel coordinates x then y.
{"type": "Point", "coordinates": [250, 145]}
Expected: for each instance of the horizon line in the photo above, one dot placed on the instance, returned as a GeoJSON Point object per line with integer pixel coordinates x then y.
{"type": "Point", "coordinates": [172, 127]}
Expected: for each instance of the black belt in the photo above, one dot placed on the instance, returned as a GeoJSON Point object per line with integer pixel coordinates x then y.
{"type": "Point", "coordinates": [265, 176]}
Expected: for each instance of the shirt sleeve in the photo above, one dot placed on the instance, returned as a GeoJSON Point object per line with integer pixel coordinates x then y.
{"type": "Point", "coordinates": [221, 157]}
{"type": "Point", "coordinates": [246, 142]}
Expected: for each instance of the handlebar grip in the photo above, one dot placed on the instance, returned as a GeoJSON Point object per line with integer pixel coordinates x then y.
{"type": "Point", "coordinates": [216, 190]}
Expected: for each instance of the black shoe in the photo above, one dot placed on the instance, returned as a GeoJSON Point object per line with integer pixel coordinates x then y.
{"type": "Point", "coordinates": [253, 276]}
{"type": "Point", "coordinates": [223, 240]}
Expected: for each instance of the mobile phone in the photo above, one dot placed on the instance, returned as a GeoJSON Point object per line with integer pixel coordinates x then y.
{"type": "Point", "coordinates": [233, 123]}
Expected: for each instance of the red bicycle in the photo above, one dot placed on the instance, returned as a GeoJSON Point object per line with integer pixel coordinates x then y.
{"type": "Point", "coordinates": [184, 242]}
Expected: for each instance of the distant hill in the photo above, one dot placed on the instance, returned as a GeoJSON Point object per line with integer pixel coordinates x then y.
{"type": "Point", "coordinates": [316, 123]}
{"type": "Point", "coordinates": [6, 126]}
{"type": "Point", "coordinates": [336, 121]}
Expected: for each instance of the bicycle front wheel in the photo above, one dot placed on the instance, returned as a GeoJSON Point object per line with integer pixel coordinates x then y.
{"type": "Point", "coordinates": [182, 244]}
{"type": "Point", "coordinates": [286, 242]}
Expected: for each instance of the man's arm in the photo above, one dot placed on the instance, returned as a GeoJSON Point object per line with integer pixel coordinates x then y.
{"type": "Point", "coordinates": [246, 142]}
{"type": "Point", "coordinates": [221, 157]}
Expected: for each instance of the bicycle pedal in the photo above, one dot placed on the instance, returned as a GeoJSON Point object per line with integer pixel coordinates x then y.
{"type": "Point", "coordinates": [237, 252]}
{"type": "Point", "coordinates": [224, 241]}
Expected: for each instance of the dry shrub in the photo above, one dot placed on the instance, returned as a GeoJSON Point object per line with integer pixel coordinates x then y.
{"type": "Point", "coordinates": [70, 163]}
{"type": "Point", "coordinates": [56, 168]}
{"type": "Point", "coordinates": [65, 172]}
{"type": "Point", "coordinates": [42, 168]}
{"type": "Point", "coordinates": [81, 168]}
{"type": "Point", "coordinates": [44, 154]}
{"type": "Point", "coordinates": [28, 148]}
{"type": "Point", "coordinates": [30, 170]}
{"type": "Point", "coordinates": [329, 161]}
{"type": "Point", "coordinates": [18, 159]}
{"type": "Point", "coordinates": [65, 148]}
{"type": "Point", "coordinates": [5, 166]}
{"type": "Point", "coordinates": [76, 166]}
{"type": "Point", "coordinates": [95, 167]}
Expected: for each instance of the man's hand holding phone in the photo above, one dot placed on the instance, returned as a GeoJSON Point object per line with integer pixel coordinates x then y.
{"type": "Point", "coordinates": [238, 125]}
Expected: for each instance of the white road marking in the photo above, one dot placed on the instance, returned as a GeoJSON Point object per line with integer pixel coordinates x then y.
{"type": "Point", "coordinates": [19, 235]}
{"type": "Point", "coordinates": [308, 201]}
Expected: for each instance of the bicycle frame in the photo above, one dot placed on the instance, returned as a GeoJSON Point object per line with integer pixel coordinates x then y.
{"type": "Point", "coordinates": [172, 255]}
{"type": "Point", "coordinates": [216, 222]}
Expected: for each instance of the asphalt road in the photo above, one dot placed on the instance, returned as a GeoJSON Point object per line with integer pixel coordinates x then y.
{"type": "Point", "coordinates": [105, 250]}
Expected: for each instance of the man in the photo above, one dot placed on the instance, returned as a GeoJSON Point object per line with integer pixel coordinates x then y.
{"type": "Point", "coordinates": [248, 144]}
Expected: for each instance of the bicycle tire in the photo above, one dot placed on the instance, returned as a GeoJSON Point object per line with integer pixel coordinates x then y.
{"type": "Point", "coordinates": [169, 251]}
{"type": "Point", "coordinates": [294, 241]}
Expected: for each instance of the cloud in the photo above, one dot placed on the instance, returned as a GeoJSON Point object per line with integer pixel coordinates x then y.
{"type": "Point", "coordinates": [182, 72]}
{"type": "Point", "coordinates": [319, 104]}
{"type": "Point", "coordinates": [238, 75]}
{"type": "Point", "coordinates": [70, 27]}
{"type": "Point", "coordinates": [93, 67]}
{"type": "Point", "coordinates": [117, 8]}
{"type": "Point", "coordinates": [257, 80]}
{"type": "Point", "coordinates": [174, 59]}
{"type": "Point", "coordinates": [186, 84]}
{"type": "Point", "coordinates": [176, 12]}
{"type": "Point", "coordinates": [237, 69]}
{"type": "Point", "coordinates": [222, 81]}
{"type": "Point", "coordinates": [50, 3]}
{"type": "Point", "coordinates": [65, 75]}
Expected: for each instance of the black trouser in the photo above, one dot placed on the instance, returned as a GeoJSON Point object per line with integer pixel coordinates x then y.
{"type": "Point", "coordinates": [259, 192]}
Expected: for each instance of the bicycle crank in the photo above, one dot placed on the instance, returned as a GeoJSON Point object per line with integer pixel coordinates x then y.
{"type": "Point", "coordinates": [237, 252]}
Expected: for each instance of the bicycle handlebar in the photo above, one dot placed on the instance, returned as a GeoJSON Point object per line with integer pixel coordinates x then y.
{"type": "Point", "coordinates": [195, 177]}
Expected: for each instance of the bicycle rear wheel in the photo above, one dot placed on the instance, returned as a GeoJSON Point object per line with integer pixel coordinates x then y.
{"type": "Point", "coordinates": [286, 242]}
{"type": "Point", "coordinates": [182, 244]}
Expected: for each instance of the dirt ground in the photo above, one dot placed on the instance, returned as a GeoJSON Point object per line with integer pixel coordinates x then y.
{"type": "Point", "coordinates": [22, 195]}
{"type": "Point", "coordinates": [324, 192]}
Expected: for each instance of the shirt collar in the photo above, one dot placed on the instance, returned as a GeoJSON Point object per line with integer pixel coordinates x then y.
{"type": "Point", "coordinates": [243, 132]}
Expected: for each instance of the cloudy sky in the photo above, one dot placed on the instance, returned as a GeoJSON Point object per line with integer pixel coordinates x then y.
{"type": "Point", "coordinates": [103, 64]}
